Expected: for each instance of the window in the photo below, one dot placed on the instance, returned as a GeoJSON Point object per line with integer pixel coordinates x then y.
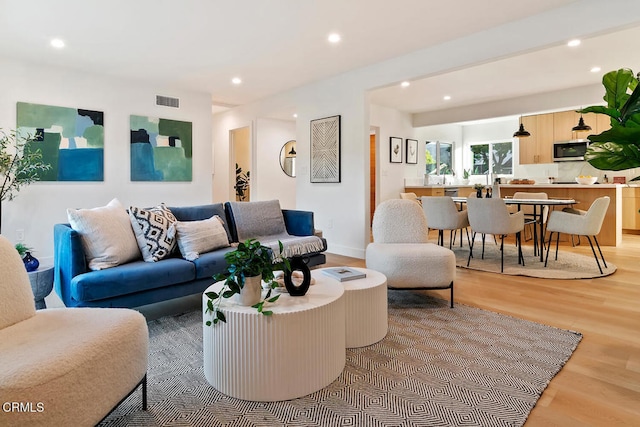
{"type": "Point", "coordinates": [499, 162]}
{"type": "Point", "coordinates": [438, 158]}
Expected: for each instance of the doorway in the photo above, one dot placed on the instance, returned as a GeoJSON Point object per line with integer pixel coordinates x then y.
{"type": "Point", "coordinates": [372, 173]}
{"type": "Point", "coordinates": [240, 162]}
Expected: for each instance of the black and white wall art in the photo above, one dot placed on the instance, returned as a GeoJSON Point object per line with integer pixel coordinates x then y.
{"type": "Point", "coordinates": [325, 149]}
{"type": "Point", "coordinates": [412, 151]}
{"type": "Point", "coordinates": [395, 149]}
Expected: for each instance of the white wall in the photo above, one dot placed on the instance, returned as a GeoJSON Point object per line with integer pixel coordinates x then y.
{"type": "Point", "coordinates": [273, 183]}
{"type": "Point", "coordinates": [394, 123]}
{"type": "Point", "coordinates": [38, 207]}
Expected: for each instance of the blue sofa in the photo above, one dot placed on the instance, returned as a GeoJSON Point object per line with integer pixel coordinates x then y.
{"type": "Point", "coordinates": [139, 283]}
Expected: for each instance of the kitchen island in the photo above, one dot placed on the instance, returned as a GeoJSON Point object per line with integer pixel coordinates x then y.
{"type": "Point", "coordinates": [584, 195]}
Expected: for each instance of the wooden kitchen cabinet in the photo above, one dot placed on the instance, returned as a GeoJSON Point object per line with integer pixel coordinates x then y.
{"type": "Point", "coordinates": [630, 207]}
{"type": "Point", "coordinates": [537, 148]}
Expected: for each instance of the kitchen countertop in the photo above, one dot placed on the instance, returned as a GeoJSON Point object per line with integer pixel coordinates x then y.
{"type": "Point", "coordinates": [542, 185]}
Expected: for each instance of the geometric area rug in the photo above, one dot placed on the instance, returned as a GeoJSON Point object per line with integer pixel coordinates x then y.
{"type": "Point", "coordinates": [437, 366]}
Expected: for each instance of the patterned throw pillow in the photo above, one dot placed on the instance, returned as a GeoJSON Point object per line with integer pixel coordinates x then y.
{"type": "Point", "coordinates": [154, 231]}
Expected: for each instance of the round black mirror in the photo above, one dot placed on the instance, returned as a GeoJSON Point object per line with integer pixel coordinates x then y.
{"type": "Point", "coordinates": [288, 158]}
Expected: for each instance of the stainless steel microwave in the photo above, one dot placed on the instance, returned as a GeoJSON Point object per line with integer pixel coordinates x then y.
{"type": "Point", "coordinates": [570, 151]}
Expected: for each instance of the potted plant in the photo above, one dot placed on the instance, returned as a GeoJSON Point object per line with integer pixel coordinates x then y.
{"type": "Point", "coordinates": [31, 263]}
{"type": "Point", "coordinates": [242, 183]}
{"type": "Point", "coordinates": [465, 176]}
{"type": "Point", "coordinates": [19, 165]}
{"type": "Point", "coordinates": [247, 267]}
{"type": "Point", "coordinates": [478, 188]}
{"type": "Point", "coordinates": [617, 148]}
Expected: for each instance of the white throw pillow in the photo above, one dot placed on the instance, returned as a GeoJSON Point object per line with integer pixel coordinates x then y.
{"type": "Point", "coordinates": [198, 237]}
{"type": "Point", "coordinates": [107, 236]}
{"type": "Point", "coordinates": [154, 232]}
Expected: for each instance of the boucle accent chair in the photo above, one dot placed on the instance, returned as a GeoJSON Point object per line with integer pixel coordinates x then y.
{"type": "Point", "coordinates": [401, 251]}
{"type": "Point", "coordinates": [68, 366]}
{"type": "Point", "coordinates": [442, 214]}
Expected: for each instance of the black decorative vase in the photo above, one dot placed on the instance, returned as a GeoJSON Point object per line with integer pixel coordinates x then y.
{"type": "Point", "coordinates": [31, 263]}
{"type": "Point", "coordinates": [479, 193]}
{"type": "Point", "coordinates": [297, 263]}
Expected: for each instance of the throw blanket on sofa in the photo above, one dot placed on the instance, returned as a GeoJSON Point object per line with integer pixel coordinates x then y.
{"type": "Point", "coordinates": [264, 222]}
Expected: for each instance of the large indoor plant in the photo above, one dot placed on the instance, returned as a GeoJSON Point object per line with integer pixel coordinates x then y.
{"type": "Point", "coordinates": [20, 165]}
{"type": "Point", "coordinates": [251, 261]}
{"type": "Point", "coordinates": [617, 148]}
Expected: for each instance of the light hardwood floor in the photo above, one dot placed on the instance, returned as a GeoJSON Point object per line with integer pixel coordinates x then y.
{"type": "Point", "coordinates": [600, 384]}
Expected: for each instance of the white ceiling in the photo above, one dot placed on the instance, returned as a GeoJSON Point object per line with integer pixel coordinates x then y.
{"type": "Point", "coordinates": [277, 45]}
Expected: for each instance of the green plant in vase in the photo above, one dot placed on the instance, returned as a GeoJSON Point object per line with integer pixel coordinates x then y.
{"type": "Point", "coordinates": [466, 173]}
{"type": "Point", "coordinates": [23, 249]}
{"type": "Point", "coordinates": [250, 262]}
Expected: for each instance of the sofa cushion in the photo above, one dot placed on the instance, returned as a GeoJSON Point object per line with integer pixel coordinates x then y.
{"type": "Point", "coordinates": [198, 237]}
{"type": "Point", "coordinates": [154, 232]}
{"type": "Point", "coordinates": [200, 212]}
{"type": "Point", "coordinates": [211, 263]}
{"type": "Point", "coordinates": [107, 236]}
{"type": "Point", "coordinates": [130, 278]}
{"type": "Point", "coordinates": [256, 219]}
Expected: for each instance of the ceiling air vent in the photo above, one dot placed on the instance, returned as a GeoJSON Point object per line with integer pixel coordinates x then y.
{"type": "Point", "coordinates": [167, 101]}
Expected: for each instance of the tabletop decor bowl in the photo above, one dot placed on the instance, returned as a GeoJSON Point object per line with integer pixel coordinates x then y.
{"type": "Point", "coordinates": [586, 180]}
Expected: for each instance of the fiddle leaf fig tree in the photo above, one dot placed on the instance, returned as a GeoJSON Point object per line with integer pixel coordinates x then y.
{"type": "Point", "coordinates": [19, 165]}
{"type": "Point", "coordinates": [617, 148]}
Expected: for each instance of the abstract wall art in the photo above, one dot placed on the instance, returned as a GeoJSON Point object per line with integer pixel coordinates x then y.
{"type": "Point", "coordinates": [71, 140]}
{"type": "Point", "coordinates": [161, 149]}
{"type": "Point", "coordinates": [325, 149]}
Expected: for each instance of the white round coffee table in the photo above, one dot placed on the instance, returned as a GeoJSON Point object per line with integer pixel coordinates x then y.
{"type": "Point", "coordinates": [298, 350]}
{"type": "Point", "coordinates": [365, 306]}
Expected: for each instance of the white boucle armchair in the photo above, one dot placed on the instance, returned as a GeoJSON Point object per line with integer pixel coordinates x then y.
{"type": "Point", "coordinates": [401, 251]}
{"type": "Point", "coordinates": [68, 366]}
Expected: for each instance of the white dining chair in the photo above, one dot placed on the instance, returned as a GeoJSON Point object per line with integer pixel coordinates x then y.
{"type": "Point", "coordinates": [410, 196]}
{"type": "Point", "coordinates": [491, 216]}
{"type": "Point", "coordinates": [442, 214]}
{"type": "Point", "coordinates": [587, 225]}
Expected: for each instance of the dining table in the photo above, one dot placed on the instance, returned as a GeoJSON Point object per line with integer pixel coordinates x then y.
{"type": "Point", "coordinates": [538, 211]}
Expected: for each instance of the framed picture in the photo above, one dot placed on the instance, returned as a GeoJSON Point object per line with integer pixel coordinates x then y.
{"type": "Point", "coordinates": [71, 140]}
{"type": "Point", "coordinates": [161, 149]}
{"type": "Point", "coordinates": [412, 151]}
{"type": "Point", "coordinates": [325, 149]}
{"type": "Point", "coordinates": [395, 149]}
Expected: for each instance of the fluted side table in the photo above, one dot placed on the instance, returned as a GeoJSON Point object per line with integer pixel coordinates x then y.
{"type": "Point", "coordinates": [298, 350]}
{"type": "Point", "coordinates": [366, 313]}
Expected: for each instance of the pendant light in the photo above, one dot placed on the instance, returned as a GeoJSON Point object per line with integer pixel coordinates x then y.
{"type": "Point", "coordinates": [521, 133]}
{"type": "Point", "coordinates": [581, 125]}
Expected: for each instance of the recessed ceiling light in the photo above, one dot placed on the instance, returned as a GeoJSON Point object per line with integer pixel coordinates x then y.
{"type": "Point", "coordinates": [236, 80]}
{"type": "Point", "coordinates": [57, 43]}
{"type": "Point", "coordinates": [405, 84]}
{"type": "Point", "coordinates": [573, 43]}
{"type": "Point", "coordinates": [595, 69]}
{"type": "Point", "coordinates": [446, 97]}
{"type": "Point", "coordinates": [295, 115]}
{"type": "Point", "coordinates": [334, 37]}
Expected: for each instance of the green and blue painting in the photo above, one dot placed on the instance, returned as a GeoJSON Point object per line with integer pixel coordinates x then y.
{"type": "Point", "coordinates": [161, 149]}
{"type": "Point", "coordinates": [71, 140]}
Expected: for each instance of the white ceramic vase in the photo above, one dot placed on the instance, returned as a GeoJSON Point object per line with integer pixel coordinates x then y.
{"type": "Point", "coordinates": [251, 293]}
